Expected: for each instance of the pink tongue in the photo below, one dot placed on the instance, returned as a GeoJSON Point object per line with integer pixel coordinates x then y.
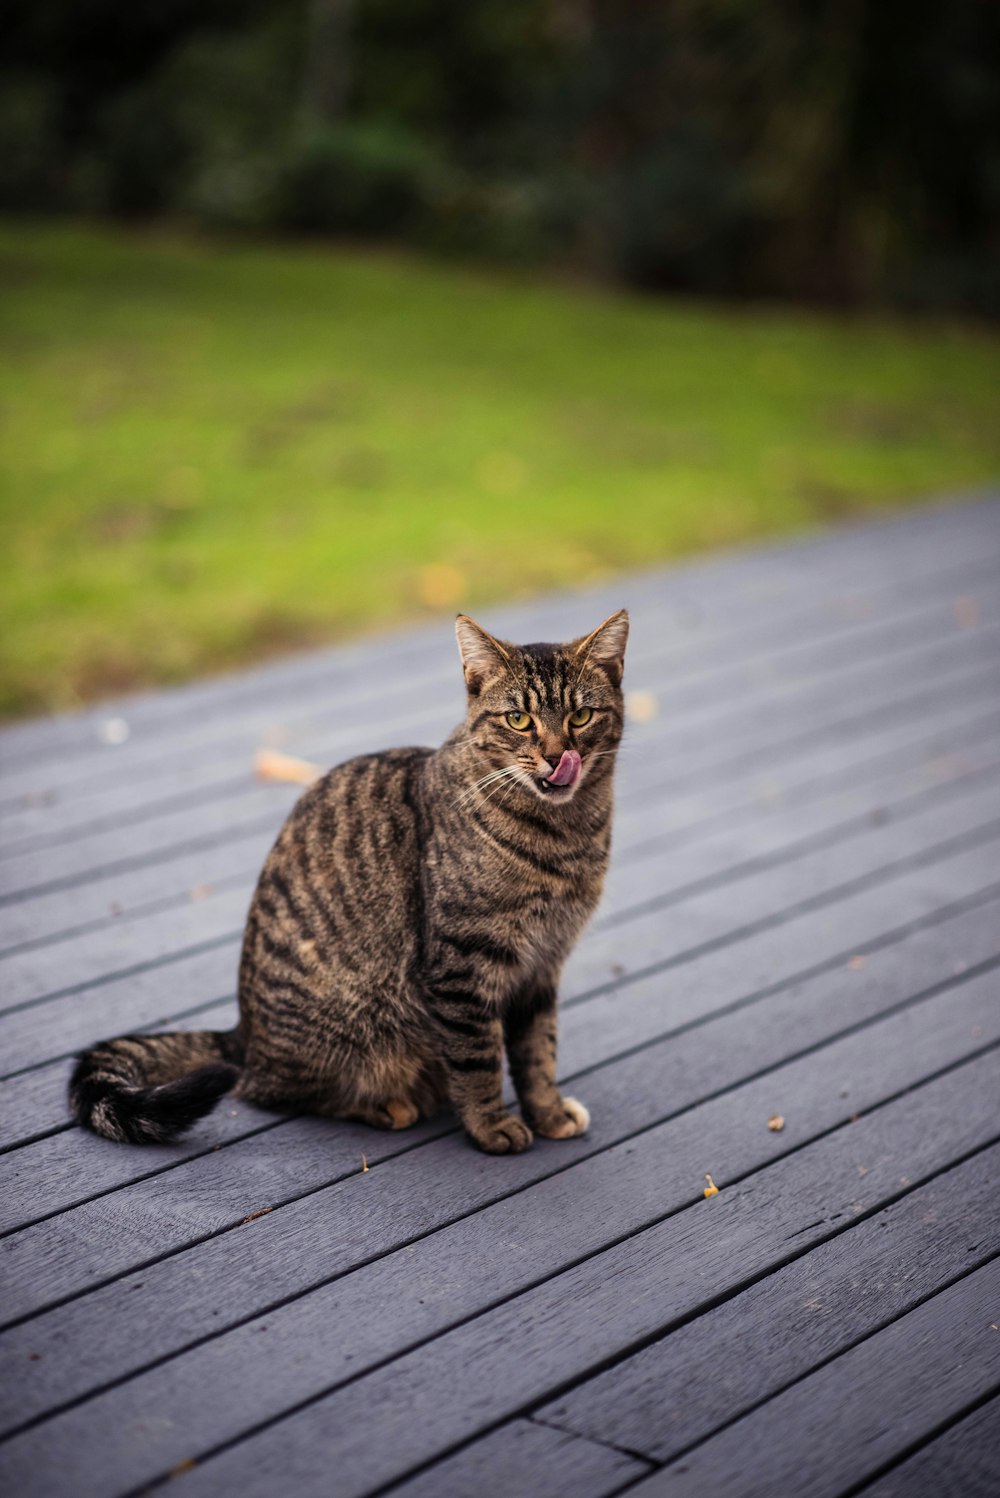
{"type": "Point", "coordinates": [567, 771]}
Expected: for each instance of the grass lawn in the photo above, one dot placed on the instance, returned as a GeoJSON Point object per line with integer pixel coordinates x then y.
{"type": "Point", "coordinates": [215, 451]}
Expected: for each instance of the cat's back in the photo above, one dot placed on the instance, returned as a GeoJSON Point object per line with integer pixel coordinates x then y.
{"type": "Point", "coordinates": [341, 883]}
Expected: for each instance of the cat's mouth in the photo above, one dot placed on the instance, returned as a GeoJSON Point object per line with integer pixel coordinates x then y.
{"type": "Point", "coordinates": [561, 781]}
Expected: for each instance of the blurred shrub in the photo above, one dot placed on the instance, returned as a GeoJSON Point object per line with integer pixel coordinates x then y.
{"type": "Point", "coordinates": [827, 150]}
{"type": "Point", "coordinates": [28, 141]}
{"type": "Point", "coordinates": [366, 177]}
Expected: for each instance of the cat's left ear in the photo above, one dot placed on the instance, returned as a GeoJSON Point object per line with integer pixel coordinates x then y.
{"type": "Point", "coordinates": [482, 655]}
{"type": "Point", "coordinates": [606, 646]}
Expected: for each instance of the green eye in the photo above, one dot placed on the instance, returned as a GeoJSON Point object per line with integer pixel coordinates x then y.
{"type": "Point", "coordinates": [520, 721]}
{"type": "Point", "coordinates": [580, 717]}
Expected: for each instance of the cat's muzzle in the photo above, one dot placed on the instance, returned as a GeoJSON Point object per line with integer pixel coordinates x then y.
{"type": "Point", "coordinates": [564, 776]}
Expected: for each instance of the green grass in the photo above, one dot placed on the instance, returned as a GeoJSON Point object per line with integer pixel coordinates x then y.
{"type": "Point", "coordinates": [212, 452]}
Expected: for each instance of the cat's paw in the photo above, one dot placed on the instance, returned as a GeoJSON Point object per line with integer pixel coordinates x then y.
{"type": "Point", "coordinates": [567, 1119]}
{"type": "Point", "coordinates": [508, 1137]}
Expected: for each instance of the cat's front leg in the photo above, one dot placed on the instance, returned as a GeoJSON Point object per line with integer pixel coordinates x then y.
{"type": "Point", "coordinates": [472, 1053]}
{"type": "Point", "coordinates": [530, 1033]}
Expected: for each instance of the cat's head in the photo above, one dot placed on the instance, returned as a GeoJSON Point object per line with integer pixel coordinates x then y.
{"type": "Point", "coordinates": [543, 718]}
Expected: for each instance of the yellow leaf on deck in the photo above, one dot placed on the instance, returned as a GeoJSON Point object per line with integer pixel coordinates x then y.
{"type": "Point", "coordinates": [268, 764]}
{"type": "Point", "coordinates": [711, 1189]}
{"type": "Point", "coordinates": [641, 707]}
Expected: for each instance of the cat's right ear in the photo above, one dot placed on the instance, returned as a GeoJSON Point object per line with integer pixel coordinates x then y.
{"type": "Point", "coordinates": [482, 656]}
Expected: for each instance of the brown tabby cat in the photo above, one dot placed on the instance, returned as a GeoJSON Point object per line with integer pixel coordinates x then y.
{"type": "Point", "coordinates": [411, 920]}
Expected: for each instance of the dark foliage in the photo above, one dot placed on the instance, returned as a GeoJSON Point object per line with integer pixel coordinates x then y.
{"type": "Point", "coordinates": [840, 150]}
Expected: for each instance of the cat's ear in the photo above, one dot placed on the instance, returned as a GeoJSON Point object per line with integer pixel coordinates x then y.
{"type": "Point", "coordinates": [605, 646]}
{"type": "Point", "coordinates": [482, 656]}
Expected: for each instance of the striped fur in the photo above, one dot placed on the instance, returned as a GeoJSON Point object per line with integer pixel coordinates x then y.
{"type": "Point", "coordinates": [411, 922]}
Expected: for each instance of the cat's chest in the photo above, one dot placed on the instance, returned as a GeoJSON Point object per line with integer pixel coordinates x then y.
{"type": "Point", "coordinates": [543, 929]}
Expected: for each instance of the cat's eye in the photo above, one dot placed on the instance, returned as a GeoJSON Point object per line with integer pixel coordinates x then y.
{"type": "Point", "coordinates": [581, 717]}
{"type": "Point", "coordinates": [520, 721]}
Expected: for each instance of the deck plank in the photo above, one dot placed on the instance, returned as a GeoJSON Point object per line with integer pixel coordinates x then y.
{"type": "Point", "coordinates": [771, 711]}
{"type": "Point", "coordinates": [377, 713]}
{"type": "Point", "coordinates": [630, 1188]}
{"type": "Point", "coordinates": [445, 1391]}
{"type": "Point", "coordinates": [179, 1292]}
{"type": "Point", "coordinates": [803, 916]}
{"type": "Point", "coordinates": [712, 1371]}
{"type": "Point", "coordinates": [924, 1369]}
{"type": "Point", "coordinates": [525, 1458]}
{"type": "Point", "coordinates": [959, 1463]}
{"type": "Point", "coordinates": [129, 941]}
{"type": "Point", "coordinates": [956, 815]}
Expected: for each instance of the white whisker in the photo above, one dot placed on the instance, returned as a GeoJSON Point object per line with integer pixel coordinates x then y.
{"type": "Point", "coordinates": [495, 777]}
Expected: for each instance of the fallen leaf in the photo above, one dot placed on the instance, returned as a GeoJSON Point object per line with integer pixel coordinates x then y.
{"type": "Point", "coordinates": [776, 1123]}
{"type": "Point", "coordinates": [641, 707]}
{"type": "Point", "coordinates": [966, 613]}
{"type": "Point", "coordinates": [364, 1165]}
{"type": "Point", "coordinates": [711, 1189]}
{"type": "Point", "coordinates": [254, 1215]}
{"type": "Point", "coordinates": [268, 764]}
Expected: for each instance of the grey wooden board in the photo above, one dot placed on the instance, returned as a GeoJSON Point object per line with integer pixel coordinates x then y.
{"type": "Point", "coordinates": [706, 1374]}
{"type": "Point", "coordinates": [66, 1169]}
{"type": "Point", "coordinates": [525, 1460]}
{"type": "Point", "coordinates": [961, 1463]}
{"type": "Point", "coordinates": [127, 863]}
{"type": "Point", "coordinates": [130, 941]}
{"type": "Point", "coordinates": [723, 852]}
{"type": "Point", "coordinates": [495, 1366]}
{"type": "Point", "coordinates": [860, 1411]}
{"type": "Point", "coordinates": [817, 789]}
{"type": "Point", "coordinates": [860, 916]}
{"type": "Point", "coordinates": [626, 1186]}
{"type": "Point", "coordinates": [654, 1006]}
{"type": "Point", "coordinates": [702, 599]}
{"type": "Point", "coordinates": [903, 749]}
{"type": "Point", "coordinates": [763, 706]}
{"type": "Point", "coordinates": [772, 649]}
{"type": "Point", "coordinates": [180, 1292]}
{"type": "Point", "coordinates": [420, 704]}
{"type": "Point", "coordinates": [780, 832]}
{"type": "Point", "coordinates": [961, 813]}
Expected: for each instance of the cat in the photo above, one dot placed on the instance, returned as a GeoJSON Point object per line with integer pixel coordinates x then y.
{"type": "Point", "coordinates": [411, 921]}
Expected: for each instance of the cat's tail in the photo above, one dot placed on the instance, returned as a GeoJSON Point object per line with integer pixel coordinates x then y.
{"type": "Point", "coordinates": [147, 1089]}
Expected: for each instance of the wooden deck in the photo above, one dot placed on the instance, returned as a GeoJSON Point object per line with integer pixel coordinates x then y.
{"type": "Point", "coordinates": [803, 919]}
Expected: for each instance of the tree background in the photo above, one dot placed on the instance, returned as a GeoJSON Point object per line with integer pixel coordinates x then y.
{"type": "Point", "coordinates": [837, 151]}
